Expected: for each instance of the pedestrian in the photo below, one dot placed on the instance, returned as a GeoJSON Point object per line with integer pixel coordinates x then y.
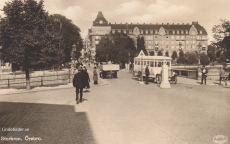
{"type": "Point", "coordinates": [131, 68]}
{"type": "Point", "coordinates": [222, 76]}
{"type": "Point", "coordinates": [78, 82]}
{"type": "Point", "coordinates": [86, 78]}
{"type": "Point", "coordinates": [204, 72]}
{"type": "Point", "coordinates": [147, 74]}
{"type": "Point", "coordinates": [95, 77]}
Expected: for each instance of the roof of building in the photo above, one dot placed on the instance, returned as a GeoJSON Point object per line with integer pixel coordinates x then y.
{"type": "Point", "coordinates": [169, 27]}
{"type": "Point", "coordinates": [100, 17]}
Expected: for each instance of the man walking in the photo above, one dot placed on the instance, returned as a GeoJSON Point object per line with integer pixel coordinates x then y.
{"type": "Point", "coordinates": [222, 76]}
{"type": "Point", "coordinates": [204, 72]}
{"type": "Point", "coordinates": [78, 82]}
{"type": "Point", "coordinates": [147, 74]}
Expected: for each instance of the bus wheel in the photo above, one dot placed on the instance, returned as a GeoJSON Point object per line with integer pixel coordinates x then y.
{"type": "Point", "coordinates": [158, 79]}
{"type": "Point", "coordinates": [115, 74]}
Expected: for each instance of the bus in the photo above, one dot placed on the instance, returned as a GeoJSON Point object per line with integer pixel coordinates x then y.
{"type": "Point", "coordinates": [155, 64]}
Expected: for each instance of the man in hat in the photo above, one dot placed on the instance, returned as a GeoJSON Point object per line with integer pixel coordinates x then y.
{"type": "Point", "coordinates": [78, 83]}
{"type": "Point", "coordinates": [204, 72]}
{"type": "Point", "coordinates": [147, 74]}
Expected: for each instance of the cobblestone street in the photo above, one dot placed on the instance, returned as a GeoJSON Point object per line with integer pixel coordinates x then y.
{"type": "Point", "coordinates": [121, 112]}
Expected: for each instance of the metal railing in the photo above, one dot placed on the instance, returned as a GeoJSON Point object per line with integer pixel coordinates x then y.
{"type": "Point", "coordinates": [44, 80]}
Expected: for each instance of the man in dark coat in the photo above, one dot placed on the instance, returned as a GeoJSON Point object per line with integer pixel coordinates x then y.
{"type": "Point", "coordinates": [147, 74]}
{"type": "Point", "coordinates": [78, 83]}
{"type": "Point", "coordinates": [204, 72]}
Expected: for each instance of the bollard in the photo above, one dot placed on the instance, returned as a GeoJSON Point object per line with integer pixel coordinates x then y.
{"type": "Point", "coordinates": [165, 82]}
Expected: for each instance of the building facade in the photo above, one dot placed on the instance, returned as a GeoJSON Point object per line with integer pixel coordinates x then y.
{"type": "Point", "coordinates": [158, 37]}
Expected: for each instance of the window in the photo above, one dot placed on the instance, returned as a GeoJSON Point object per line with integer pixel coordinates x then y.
{"type": "Point", "coordinates": [141, 31]}
{"type": "Point", "coordinates": [119, 31]}
{"type": "Point", "coordinates": [124, 31]}
{"type": "Point", "coordinates": [155, 31]}
{"type": "Point", "coordinates": [151, 31]}
{"type": "Point", "coordinates": [100, 22]}
{"type": "Point", "coordinates": [182, 32]}
{"type": "Point", "coordinates": [151, 64]}
{"type": "Point", "coordinates": [200, 31]}
{"type": "Point", "coordinates": [173, 32]}
{"type": "Point", "coordinates": [178, 32]}
{"type": "Point", "coordinates": [146, 31]}
{"type": "Point", "coordinates": [186, 32]}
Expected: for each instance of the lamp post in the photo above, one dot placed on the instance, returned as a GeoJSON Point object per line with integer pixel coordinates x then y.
{"type": "Point", "coordinates": [180, 44]}
{"type": "Point", "coordinates": [72, 56]}
{"type": "Point", "coordinates": [198, 50]}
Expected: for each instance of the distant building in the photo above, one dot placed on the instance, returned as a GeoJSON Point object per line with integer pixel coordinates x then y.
{"type": "Point", "coordinates": [158, 37]}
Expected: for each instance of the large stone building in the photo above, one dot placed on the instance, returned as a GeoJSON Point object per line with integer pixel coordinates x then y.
{"type": "Point", "coordinates": [158, 37]}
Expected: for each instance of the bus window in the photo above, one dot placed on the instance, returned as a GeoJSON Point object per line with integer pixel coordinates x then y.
{"type": "Point", "coordinates": [159, 64]}
{"type": "Point", "coordinates": [151, 64]}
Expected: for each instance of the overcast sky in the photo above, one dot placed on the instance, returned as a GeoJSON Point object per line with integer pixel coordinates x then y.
{"type": "Point", "coordinates": [83, 12]}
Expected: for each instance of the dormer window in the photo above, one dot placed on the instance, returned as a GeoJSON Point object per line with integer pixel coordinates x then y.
{"type": "Point", "coordinates": [146, 31]}
{"type": "Point", "coordinates": [173, 32]}
{"type": "Point", "coordinates": [177, 32]}
{"type": "Point", "coordinates": [100, 22]}
{"type": "Point", "coordinates": [200, 31]}
{"type": "Point", "coordinates": [182, 32]}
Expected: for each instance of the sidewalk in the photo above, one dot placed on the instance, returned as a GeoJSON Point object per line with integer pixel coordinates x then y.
{"type": "Point", "coordinates": [45, 88]}
{"type": "Point", "coordinates": [182, 80]}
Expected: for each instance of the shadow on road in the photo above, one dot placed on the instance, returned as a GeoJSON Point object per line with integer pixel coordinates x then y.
{"type": "Point", "coordinates": [52, 123]}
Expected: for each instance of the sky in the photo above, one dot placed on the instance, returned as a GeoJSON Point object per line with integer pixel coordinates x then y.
{"type": "Point", "coordinates": [83, 12]}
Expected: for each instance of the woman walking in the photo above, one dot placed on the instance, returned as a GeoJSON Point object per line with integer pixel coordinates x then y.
{"type": "Point", "coordinates": [95, 76]}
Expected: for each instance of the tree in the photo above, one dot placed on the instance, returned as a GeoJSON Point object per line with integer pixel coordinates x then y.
{"type": "Point", "coordinates": [30, 37]}
{"type": "Point", "coordinates": [159, 53]}
{"type": "Point", "coordinates": [116, 47]}
{"type": "Point", "coordinates": [152, 53]}
{"type": "Point", "coordinates": [68, 34]}
{"type": "Point", "coordinates": [141, 46]}
{"type": "Point", "coordinates": [222, 36]}
{"type": "Point", "coordinates": [167, 53]}
{"type": "Point", "coordinates": [181, 58]}
{"type": "Point", "coordinates": [204, 60]}
{"type": "Point", "coordinates": [191, 58]}
{"type": "Point", "coordinates": [211, 53]}
{"type": "Point", "coordinates": [174, 55]}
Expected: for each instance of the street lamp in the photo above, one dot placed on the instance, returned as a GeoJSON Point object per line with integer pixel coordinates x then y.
{"type": "Point", "coordinates": [199, 50]}
{"type": "Point", "coordinates": [180, 44]}
{"type": "Point", "coordinates": [73, 55]}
